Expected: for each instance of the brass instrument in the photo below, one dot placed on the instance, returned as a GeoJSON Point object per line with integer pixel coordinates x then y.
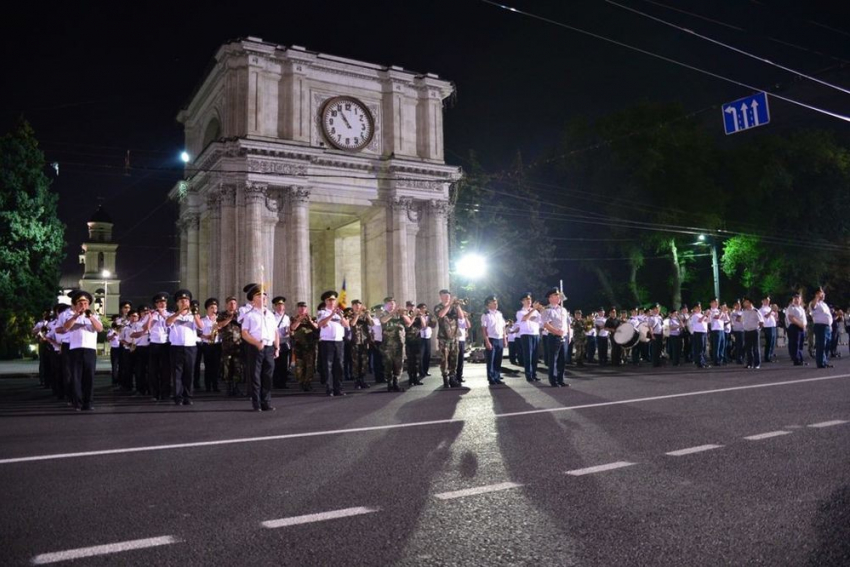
{"type": "Point", "coordinates": [87, 312]}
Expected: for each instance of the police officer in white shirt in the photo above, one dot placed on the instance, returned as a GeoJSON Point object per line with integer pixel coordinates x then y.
{"type": "Point", "coordinates": [210, 346]}
{"type": "Point", "coordinates": [259, 331]}
{"type": "Point", "coordinates": [83, 326]}
{"type": "Point", "coordinates": [142, 351]}
{"type": "Point", "coordinates": [332, 326]}
{"type": "Point", "coordinates": [462, 327]}
{"type": "Point", "coordinates": [753, 321]}
{"type": "Point", "coordinates": [556, 321]}
{"type": "Point", "coordinates": [183, 327]}
{"type": "Point", "coordinates": [795, 327]}
{"type": "Point", "coordinates": [495, 341]}
{"type": "Point", "coordinates": [601, 337]}
{"type": "Point", "coordinates": [284, 324]}
{"type": "Point", "coordinates": [717, 321]}
{"type": "Point", "coordinates": [769, 329]}
{"type": "Point", "coordinates": [528, 319]}
{"type": "Point", "coordinates": [737, 319]}
{"type": "Point", "coordinates": [822, 318]}
{"type": "Point", "coordinates": [159, 364]}
{"type": "Point", "coordinates": [656, 326]}
{"type": "Point", "coordinates": [428, 322]}
{"type": "Point", "coordinates": [674, 341]}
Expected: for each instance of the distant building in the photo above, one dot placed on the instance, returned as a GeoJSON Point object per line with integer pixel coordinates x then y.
{"type": "Point", "coordinates": [98, 259]}
{"type": "Point", "coordinates": [319, 169]}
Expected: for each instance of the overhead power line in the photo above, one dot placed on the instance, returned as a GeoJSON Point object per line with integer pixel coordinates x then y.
{"type": "Point", "coordinates": [667, 59]}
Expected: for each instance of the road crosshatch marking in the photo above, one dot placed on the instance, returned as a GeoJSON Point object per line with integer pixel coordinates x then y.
{"type": "Point", "coordinates": [320, 517]}
{"type": "Point", "coordinates": [767, 435]}
{"type": "Point", "coordinates": [94, 551]}
{"type": "Point", "coordinates": [692, 450]}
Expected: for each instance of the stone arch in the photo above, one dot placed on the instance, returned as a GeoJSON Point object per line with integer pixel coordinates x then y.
{"type": "Point", "coordinates": [212, 132]}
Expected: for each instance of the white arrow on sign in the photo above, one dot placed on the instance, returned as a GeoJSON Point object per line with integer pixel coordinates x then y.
{"type": "Point", "coordinates": [731, 110]}
{"type": "Point", "coordinates": [744, 113]}
{"type": "Point", "coordinates": [755, 106]}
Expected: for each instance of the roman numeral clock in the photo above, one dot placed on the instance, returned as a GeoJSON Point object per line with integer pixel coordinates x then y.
{"type": "Point", "coordinates": [347, 123]}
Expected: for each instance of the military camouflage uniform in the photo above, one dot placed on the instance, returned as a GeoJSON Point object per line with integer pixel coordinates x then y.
{"type": "Point", "coordinates": [392, 348]}
{"type": "Point", "coordinates": [231, 355]}
{"type": "Point", "coordinates": [305, 341]}
{"type": "Point", "coordinates": [361, 339]}
{"type": "Point", "coordinates": [413, 349]}
{"type": "Point", "coordinates": [447, 333]}
{"type": "Point", "coordinates": [579, 340]}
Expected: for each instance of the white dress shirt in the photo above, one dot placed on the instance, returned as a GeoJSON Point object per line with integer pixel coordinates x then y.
{"type": "Point", "coordinates": [532, 325]}
{"type": "Point", "coordinates": [261, 325]}
{"type": "Point", "coordinates": [82, 334]}
{"type": "Point", "coordinates": [821, 314]}
{"type": "Point", "coordinates": [183, 331]}
{"type": "Point", "coordinates": [333, 331]}
{"type": "Point", "coordinates": [283, 328]}
{"type": "Point", "coordinates": [769, 316]}
{"type": "Point", "coordinates": [494, 324]}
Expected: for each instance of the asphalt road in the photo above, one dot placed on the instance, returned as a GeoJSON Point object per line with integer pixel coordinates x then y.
{"type": "Point", "coordinates": [521, 474]}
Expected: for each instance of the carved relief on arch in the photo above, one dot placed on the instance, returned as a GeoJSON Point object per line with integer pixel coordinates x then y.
{"type": "Point", "coordinates": [439, 209]}
{"type": "Point", "coordinates": [227, 194]}
{"type": "Point", "coordinates": [255, 193]}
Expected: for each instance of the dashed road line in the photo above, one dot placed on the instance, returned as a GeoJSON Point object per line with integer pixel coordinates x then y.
{"type": "Point", "coordinates": [767, 435]}
{"type": "Point", "coordinates": [57, 556]}
{"type": "Point", "coordinates": [828, 423]}
{"type": "Point", "coordinates": [477, 490]}
{"type": "Point", "coordinates": [600, 468]}
{"type": "Point", "coordinates": [692, 450]}
{"type": "Point", "coordinates": [320, 517]}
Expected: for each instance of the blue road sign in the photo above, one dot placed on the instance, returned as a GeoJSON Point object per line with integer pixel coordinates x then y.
{"type": "Point", "coordinates": [746, 113]}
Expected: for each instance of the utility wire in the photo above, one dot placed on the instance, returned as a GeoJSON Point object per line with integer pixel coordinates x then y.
{"type": "Point", "coordinates": [667, 59]}
{"type": "Point", "coordinates": [729, 47]}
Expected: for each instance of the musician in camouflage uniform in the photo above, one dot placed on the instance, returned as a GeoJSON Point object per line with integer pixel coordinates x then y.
{"type": "Point", "coordinates": [230, 332]}
{"type": "Point", "coordinates": [448, 312]}
{"type": "Point", "coordinates": [412, 345]}
{"type": "Point", "coordinates": [361, 339]}
{"type": "Point", "coordinates": [394, 322]}
{"type": "Point", "coordinates": [579, 337]}
{"type": "Point", "coordinates": [305, 337]}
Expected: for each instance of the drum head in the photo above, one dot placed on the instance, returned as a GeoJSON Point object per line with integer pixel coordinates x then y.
{"type": "Point", "coordinates": [624, 334]}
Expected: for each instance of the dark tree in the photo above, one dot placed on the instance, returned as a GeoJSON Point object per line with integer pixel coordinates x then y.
{"type": "Point", "coordinates": [32, 240]}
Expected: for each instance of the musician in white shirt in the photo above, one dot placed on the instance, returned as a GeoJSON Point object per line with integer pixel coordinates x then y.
{"type": "Point", "coordinates": [795, 328]}
{"type": "Point", "coordinates": [183, 327]}
{"type": "Point", "coordinates": [770, 320]}
{"type": "Point", "coordinates": [528, 320]}
{"type": "Point", "coordinates": [82, 326]}
{"type": "Point", "coordinates": [699, 326]}
{"type": "Point", "coordinates": [259, 331]}
{"type": "Point", "coordinates": [822, 318]}
{"type": "Point", "coordinates": [495, 341]}
{"type": "Point", "coordinates": [753, 321]}
{"type": "Point", "coordinates": [555, 320]}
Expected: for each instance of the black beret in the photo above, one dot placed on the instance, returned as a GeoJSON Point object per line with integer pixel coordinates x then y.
{"type": "Point", "coordinates": [77, 294]}
{"type": "Point", "coordinates": [490, 298]}
{"type": "Point", "coordinates": [329, 294]}
{"type": "Point", "coordinates": [142, 307]}
{"type": "Point", "coordinates": [442, 291]}
{"type": "Point", "coordinates": [301, 304]}
{"type": "Point", "coordinates": [210, 301]}
{"type": "Point", "coordinates": [161, 296]}
{"type": "Point", "coordinates": [125, 302]}
{"type": "Point", "coordinates": [279, 299]}
{"type": "Point", "coordinates": [357, 302]}
{"type": "Point", "coordinates": [525, 295]}
{"type": "Point", "coordinates": [182, 294]}
{"type": "Point", "coordinates": [389, 298]}
{"type": "Point", "coordinates": [230, 298]}
{"type": "Point", "coordinates": [553, 291]}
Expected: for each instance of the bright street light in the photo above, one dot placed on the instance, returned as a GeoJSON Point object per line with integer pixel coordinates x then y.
{"type": "Point", "coordinates": [471, 266]}
{"type": "Point", "coordinates": [185, 157]}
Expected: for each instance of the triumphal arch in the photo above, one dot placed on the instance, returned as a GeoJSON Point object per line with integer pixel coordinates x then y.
{"type": "Point", "coordinates": [307, 170]}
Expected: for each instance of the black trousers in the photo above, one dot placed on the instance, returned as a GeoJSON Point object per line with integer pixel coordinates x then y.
{"type": "Point", "coordinates": [115, 362]}
{"type": "Point", "coordinates": [56, 369]}
{"type": "Point", "coordinates": [83, 363]}
{"type": "Point", "coordinates": [66, 371]}
{"type": "Point", "coordinates": [657, 346]}
{"type": "Point", "coordinates": [183, 370]}
{"type": "Point", "coordinates": [281, 367]}
{"type": "Point", "coordinates": [260, 365]}
{"type": "Point", "coordinates": [413, 349]}
{"type": "Point", "coordinates": [212, 365]}
{"type": "Point", "coordinates": [425, 347]}
{"type": "Point", "coordinates": [461, 346]}
{"type": "Point", "coordinates": [140, 369]}
{"type": "Point", "coordinates": [159, 370]}
{"type": "Point", "coordinates": [330, 364]}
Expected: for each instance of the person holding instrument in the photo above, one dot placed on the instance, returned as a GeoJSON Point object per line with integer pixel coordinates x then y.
{"type": "Point", "coordinates": [183, 327]}
{"type": "Point", "coordinates": [448, 312]}
{"type": "Point", "coordinates": [332, 324]}
{"type": "Point", "coordinates": [394, 323]}
{"type": "Point", "coordinates": [82, 326]}
{"type": "Point", "coordinates": [304, 338]}
{"type": "Point", "coordinates": [159, 366]}
{"type": "Point", "coordinates": [259, 332]}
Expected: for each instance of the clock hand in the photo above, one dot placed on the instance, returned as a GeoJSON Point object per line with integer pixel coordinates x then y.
{"type": "Point", "coordinates": [344, 119]}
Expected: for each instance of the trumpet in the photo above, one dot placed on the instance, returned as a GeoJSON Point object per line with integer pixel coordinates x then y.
{"type": "Point", "coordinates": [458, 301]}
{"type": "Point", "coordinates": [87, 312]}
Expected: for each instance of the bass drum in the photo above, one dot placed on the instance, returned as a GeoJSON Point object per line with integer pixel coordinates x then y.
{"type": "Point", "coordinates": [626, 335]}
{"type": "Point", "coordinates": [644, 332]}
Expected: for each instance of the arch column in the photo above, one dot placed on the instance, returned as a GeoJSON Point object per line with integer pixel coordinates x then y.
{"type": "Point", "coordinates": [298, 267]}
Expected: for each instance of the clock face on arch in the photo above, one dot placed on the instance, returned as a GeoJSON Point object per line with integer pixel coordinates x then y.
{"type": "Point", "coordinates": [347, 123]}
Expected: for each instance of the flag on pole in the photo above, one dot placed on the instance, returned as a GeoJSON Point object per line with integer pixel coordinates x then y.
{"type": "Point", "coordinates": [342, 296]}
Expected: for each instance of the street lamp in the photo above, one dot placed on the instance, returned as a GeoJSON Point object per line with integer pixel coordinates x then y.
{"type": "Point", "coordinates": [714, 264]}
{"type": "Point", "coordinates": [471, 266]}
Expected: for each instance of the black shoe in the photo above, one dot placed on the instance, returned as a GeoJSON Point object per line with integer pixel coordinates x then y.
{"type": "Point", "coordinates": [178, 402]}
{"type": "Point", "coordinates": [453, 383]}
{"type": "Point", "coordinates": [427, 374]}
{"type": "Point", "coordinates": [757, 367]}
{"type": "Point", "coordinates": [267, 408]}
{"type": "Point", "coordinates": [256, 409]}
{"type": "Point", "coordinates": [88, 407]}
{"type": "Point", "coordinates": [187, 402]}
{"type": "Point", "coordinates": [829, 366]}
{"type": "Point", "coordinates": [563, 385]}
{"type": "Point", "coordinates": [338, 393]}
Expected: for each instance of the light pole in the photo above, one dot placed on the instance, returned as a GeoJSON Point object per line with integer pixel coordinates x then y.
{"type": "Point", "coordinates": [715, 268]}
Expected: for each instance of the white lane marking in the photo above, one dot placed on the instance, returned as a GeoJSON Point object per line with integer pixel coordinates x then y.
{"type": "Point", "coordinates": [600, 468]}
{"type": "Point", "coordinates": [828, 423]}
{"type": "Point", "coordinates": [477, 490]}
{"type": "Point", "coordinates": [691, 450]}
{"type": "Point", "coordinates": [56, 556]}
{"type": "Point", "coordinates": [398, 425]}
{"type": "Point", "coordinates": [320, 517]}
{"type": "Point", "coordinates": [767, 435]}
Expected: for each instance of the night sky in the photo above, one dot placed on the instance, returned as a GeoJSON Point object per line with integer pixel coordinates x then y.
{"type": "Point", "coordinates": [97, 79]}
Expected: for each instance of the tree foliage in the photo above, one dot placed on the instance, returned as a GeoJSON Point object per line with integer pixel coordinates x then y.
{"type": "Point", "coordinates": [31, 238]}
{"type": "Point", "coordinates": [498, 217]}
